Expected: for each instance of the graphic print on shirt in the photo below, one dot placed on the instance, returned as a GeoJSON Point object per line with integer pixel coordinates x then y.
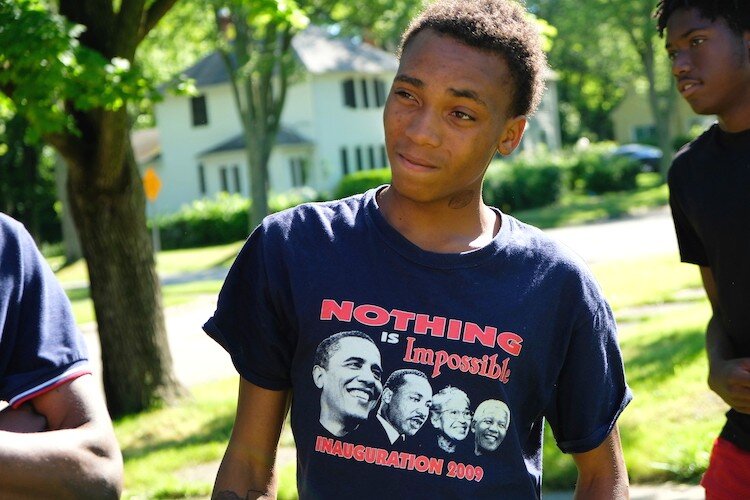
{"type": "Point", "coordinates": [410, 420]}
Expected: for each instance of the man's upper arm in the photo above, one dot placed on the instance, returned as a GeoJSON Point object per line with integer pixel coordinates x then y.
{"type": "Point", "coordinates": [709, 284]}
{"type": "Point", "coordinates": [72, 405]}
{"type": "Point", "coordinates": [251, 453]}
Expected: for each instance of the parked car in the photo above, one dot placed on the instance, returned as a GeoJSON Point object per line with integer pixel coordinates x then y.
{"type": "Point", "coordinates": [648, 156]}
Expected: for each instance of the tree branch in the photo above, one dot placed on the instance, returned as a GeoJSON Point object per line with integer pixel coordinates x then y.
{"type": "Point", "coordinates": [157, 10]}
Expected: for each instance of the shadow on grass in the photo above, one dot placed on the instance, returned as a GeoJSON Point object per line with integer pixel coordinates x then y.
{"type": "Point", "coordinates": [654, 361]}
{"type": "Point", "coordinates": [216, 430]}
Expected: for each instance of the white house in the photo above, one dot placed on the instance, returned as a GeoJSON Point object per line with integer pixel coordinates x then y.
{"type": "Point", "coordinates": [331, 124]}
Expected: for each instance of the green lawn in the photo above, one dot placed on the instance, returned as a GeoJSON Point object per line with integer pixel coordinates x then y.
{"type": "Point", "coordinates": [579, 208]}
{"type": "Point", "coordinates": [171, 262]}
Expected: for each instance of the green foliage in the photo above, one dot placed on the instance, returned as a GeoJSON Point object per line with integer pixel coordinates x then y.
{"type": "Point", "coordinates": [27, 182]}
{"type": "Point", "coordinates": [523, 183]}
{"type": "Point", "coordinates": [597, 172]}
{"type": "Point", "coordinates": [359, 182]}
{"type": "Point", "coordinates": [223, 219]}
{"type": "Point", "coordinates": [44, 65]}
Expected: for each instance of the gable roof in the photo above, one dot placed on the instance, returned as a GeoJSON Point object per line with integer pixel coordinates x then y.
{"type": "Point", "coordinates": [317, 51]}
{"type": "Point", "coordinates": [284, 137]}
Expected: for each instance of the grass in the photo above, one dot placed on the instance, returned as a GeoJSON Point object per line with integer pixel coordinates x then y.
{"type": "Point", "coordinates": [668, 428]}
{"type": "Point", "coordinates": [580, 208]}
{"type": "Point", "coordinates": [170, 262]}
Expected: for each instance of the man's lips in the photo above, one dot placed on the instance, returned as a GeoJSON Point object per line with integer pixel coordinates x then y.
{"type": "Point", "coordinates": [687, 86]}
{"type": "Point", "coordinates": [416, 163]}
{"type": "Point", "coordinates": [362, 393]}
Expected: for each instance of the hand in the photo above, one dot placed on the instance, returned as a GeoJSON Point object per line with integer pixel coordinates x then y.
{"type": "Point", "coordinates": [22, 419]}
{"type": "Point", "coordinates": [730, 379]}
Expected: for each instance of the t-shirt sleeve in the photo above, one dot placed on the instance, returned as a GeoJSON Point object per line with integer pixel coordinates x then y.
{"type": "Point", "coordinates": [248, 323]}
{"type": "Point", "coordinates": [591, 391]}
{"type": "Point", "coordinates": [691, 247]}
{"type": "Point", "coordinates": [40, 346]}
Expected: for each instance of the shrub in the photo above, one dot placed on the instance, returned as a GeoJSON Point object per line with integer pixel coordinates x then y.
{"type": "Point", "coordinates": [596, 172]}
{"type": "Point", "coordinates": [524, 183]}
{"type": "Point", "coordinates": [359, 182]}
{"type": "Point", "coordinates": [224, 219]}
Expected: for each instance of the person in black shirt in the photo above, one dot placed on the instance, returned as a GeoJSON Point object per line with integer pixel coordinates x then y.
{"type": "Point", "coordinates": [708, 43]}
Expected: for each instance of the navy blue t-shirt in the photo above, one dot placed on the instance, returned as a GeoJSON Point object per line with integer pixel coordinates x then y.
{"type": "Point", "coordinates": [329, 300]}
{"type": "Point", "coordinates": [40, 346]}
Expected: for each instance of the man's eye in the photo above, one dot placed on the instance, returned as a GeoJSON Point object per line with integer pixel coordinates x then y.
{"type": "Point", "coordinates": [463, 116]}
{"type": "Point", "coordinates": [697, 41]}
{"type": "Point", "coordinates": [404, 94]}
{"type": "Point", "coordinates": [671, 55]}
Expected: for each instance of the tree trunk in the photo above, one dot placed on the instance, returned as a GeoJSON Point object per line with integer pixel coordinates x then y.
{"type": "Point", "coordinates": [659, 111]}
{"type": "Point", "coordinates": [109, 212]}
{"type": "Point", "coordinates": [258, 180]}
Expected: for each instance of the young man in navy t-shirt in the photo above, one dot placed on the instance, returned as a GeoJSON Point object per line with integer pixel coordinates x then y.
{"type": "Point", "coordinates": [441, 283]}
{"type": "Point", "coordinates": [56, 438]}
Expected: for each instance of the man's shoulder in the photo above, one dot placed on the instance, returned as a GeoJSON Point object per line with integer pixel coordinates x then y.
{"type": "Point", "coordinates": [315, 214]}
{"type": "Point", "coordinates": [541, 247]}
{"type": "Point", "coordinates": [691, 154]}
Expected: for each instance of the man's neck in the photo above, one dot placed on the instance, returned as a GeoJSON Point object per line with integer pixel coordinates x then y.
{"type": "Point", "coordinates": [455, 225]}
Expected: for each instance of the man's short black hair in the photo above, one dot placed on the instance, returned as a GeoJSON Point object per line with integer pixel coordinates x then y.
{"type": "Point", "coordinates": [329, 346]}
{"type": "Point", "coordinates": [498, 26]}
{"type": "Point", "coordinates": [736, 13]}
{"type": "Point", "coordinates": [398, 378]}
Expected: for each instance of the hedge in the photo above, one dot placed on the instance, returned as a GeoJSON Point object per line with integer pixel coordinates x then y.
{"type": "Point", "coordinates": [223, 219]}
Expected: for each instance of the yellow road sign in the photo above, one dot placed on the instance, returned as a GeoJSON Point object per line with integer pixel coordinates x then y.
{"type": "Point", "coordinates": [151, 184]}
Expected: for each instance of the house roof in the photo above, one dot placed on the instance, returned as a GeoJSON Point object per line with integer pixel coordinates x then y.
{"type": "Point", "coordinates": [284, 137]}
{"type": "Point", "coordinates": [318, 52]}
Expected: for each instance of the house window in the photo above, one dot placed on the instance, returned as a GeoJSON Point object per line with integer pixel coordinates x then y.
{"type": "Point", "coordinates": [371, 156]}
{"type": "Point", "coordinates": [645, 134]}
{"type": "Point", "coordinates": [198, 108]}
{"type": "Point", "coordinates": [236, 178]}
{"type": "Point", "coordinates": [379, 93]}
{"type": "Point", "coordinates": [383, 157]}
{"type": "Point", "coordinates": [344, 160]}
{"type": "Point", "coordinates": [223, 179]}
{"type": "Point", "coordinates": [201, 179]}
{"type": "Point", "coordinates": [298, 170]}
{"type": "Point", "coordinates": [349, 100]}
{"type": "Point", "coordinates": [365, 96]}
{"type": "Point", "coordinates": [358, 155]}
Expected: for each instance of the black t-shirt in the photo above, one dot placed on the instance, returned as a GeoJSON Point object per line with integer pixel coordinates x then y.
{"type": "Point", "coordinates": [709, 186]}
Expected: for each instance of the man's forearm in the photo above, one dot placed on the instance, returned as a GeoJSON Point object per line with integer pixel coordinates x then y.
{"type": "Point", "coordinates": [718, 346]}
{"type": "Point", "coordinates": [67, 463]}
{"type": "Point", "coordinates": [239, 477]}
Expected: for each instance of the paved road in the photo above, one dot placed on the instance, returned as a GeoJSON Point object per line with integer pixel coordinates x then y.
{"type": "Point", "coordinates": [199, 359]}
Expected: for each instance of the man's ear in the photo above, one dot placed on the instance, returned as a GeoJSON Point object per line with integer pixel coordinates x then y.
{"type": "Point", "coordinates": [317, 374]}
{"type": "Point", "coordinates": [386, 396]}
{"type": "Point", "coordinates": [511, 135]}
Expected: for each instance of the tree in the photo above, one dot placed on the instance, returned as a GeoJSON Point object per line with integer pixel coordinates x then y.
{"type": "Point", "coordinates": [255, 43]}
{"type": "Point", "coordinates": [602, 47]}
{"type": "Point", "coordinates": [71, 74]}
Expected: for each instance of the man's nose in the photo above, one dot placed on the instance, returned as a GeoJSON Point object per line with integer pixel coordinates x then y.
{"type": "Point", "coordinates": [424, 128]}
{"type": "Point", "coordinates": [681, 63]}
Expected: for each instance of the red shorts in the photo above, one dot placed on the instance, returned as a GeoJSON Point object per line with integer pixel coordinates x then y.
{"type": "Point", "coordinates": [728, 473]}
